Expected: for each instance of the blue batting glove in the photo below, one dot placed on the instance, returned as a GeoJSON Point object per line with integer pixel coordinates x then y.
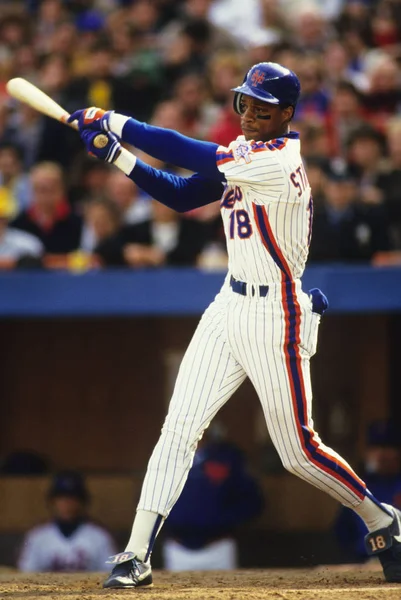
{"type": "Point", "coordinates": [109, 152]}
{"type": "Point", "coordinates": [319, 300]}
{"type": "Point", "coordinates": [91, 118]}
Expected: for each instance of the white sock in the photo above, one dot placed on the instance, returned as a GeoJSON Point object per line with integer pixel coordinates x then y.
{"type": "Point", "coordinates": [143, 530]}
{"type": "Point", "coordinates": [373, 516]}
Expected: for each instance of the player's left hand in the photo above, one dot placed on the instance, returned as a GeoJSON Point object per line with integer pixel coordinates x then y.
{"type": "Point", "coordinates": [109, 152]}
{"type": "Point", "coordinates": [93, 118]}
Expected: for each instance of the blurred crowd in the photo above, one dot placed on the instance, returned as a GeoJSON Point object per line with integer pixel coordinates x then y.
{"type": "Point", "coordinates": [172, 63]}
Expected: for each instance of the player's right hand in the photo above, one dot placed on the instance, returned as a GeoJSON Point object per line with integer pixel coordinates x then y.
{"type": "Point", "coordinates": [92, 118]}
{"type": "Point", "coordinates": [109, 152]}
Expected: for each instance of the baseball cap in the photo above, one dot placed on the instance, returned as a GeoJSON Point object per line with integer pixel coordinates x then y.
{"type": "Point", "coordinates": [8, 207]}
{"type": "Point", "coordinates": [68, 483]}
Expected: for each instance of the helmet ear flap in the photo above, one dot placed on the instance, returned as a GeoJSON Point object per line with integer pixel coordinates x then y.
{"type": "Point", "coordinates": [237, 102]}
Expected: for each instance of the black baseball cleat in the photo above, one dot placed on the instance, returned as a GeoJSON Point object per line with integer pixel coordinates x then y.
{"type": "Point", "coordinates": [128, 572]}
{"type": "Point", "coordinates": [386, 545]}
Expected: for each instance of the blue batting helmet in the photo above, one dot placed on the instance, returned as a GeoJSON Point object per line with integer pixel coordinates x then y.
{"type": "Point", "coordinates": [269, 82]}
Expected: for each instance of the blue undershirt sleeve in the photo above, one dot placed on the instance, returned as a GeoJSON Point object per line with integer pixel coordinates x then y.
{"type": "Point", "coordinates": [179, 193]}
{"type": "Point", "coordinates": [172, 147]}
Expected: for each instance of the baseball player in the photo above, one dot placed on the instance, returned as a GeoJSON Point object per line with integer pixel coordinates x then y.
{"type": "Point", "coordinates": [70, 541]}
{"type": "Point", "coordinates": [261, 325]}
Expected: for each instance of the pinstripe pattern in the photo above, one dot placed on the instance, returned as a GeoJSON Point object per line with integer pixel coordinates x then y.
{"type": "Point", "coordinates": [259, 344]}
{"type": "Point", "coordinates": [322, 458]}
{"type": "Point", "coordinates": [266, 181]}
{"type": "Point", "coordinates": [269, 339]}
{"type": "Point", "coordinates": [237, 337]}
{"type": "Point", "coordinates": [208, 376]}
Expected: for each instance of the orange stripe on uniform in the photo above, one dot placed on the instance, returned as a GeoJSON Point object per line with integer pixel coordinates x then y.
{"type": "Point", "coordinates": [322, 460]}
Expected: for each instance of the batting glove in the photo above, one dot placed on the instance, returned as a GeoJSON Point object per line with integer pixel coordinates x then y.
{"type": "Point", "coordinates": [92, 118]}
{"type": "Point", "coordinates": [319, 300]}
{"type": "Point", "coordinates": [108, 152]}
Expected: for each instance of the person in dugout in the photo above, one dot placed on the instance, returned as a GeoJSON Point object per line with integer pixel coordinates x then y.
{"type": "Point", "coordinates": [219, 496]}
{"type": "Point", "coordinates": [69, 541]}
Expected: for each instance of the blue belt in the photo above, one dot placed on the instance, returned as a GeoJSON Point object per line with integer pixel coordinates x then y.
{"type": "Point", "coordinates": [240, 287]}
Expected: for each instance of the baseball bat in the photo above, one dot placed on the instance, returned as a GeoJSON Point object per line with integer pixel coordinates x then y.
{"type": "Point", "coordinates": [26, 92]}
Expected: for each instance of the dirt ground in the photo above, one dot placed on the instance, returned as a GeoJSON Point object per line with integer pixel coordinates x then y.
{"type": "Point", "coordinates": [324, 583]}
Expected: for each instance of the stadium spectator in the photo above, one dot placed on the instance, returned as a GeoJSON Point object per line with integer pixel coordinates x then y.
{"type": "Point", "coordinates": [99, 86]}
{"type": "Point", "coordinates": [337, 67]}
{"type": "Point", "coordinates": [366, 148]}
{"type": "Point", "coordinates": [314, 100]}
{"type": "Point", "coordinates": [24, 128]}
{"type": "Point", "coordinates": [315, 139]}
{"type": "Point", "coordinates": [310, 29]}
{"type": "Point", "coordinates": [54, 77]}
{"type": "Point", "coordinates": [102, 220]}
{"type": "Point", "coordinates": [235, 17]}
{"type": "Point", "coordinates": [214, 37]}
{"type": "Point", "coordinates": [274, 19]}
{"type": "Point", "coordinates": [137, 61]}
{"type": "Point", "coordinates": [385, 27]}
{"type": "Point", "coordinates": [66, 42]}
{"type": "Point", "coordinates": [346, 229]}
{"type": "Point", "coordinates": [382, 466]}
{"type": "Point", "coordinates": [15, 245]}
{"type": "Point", "coordinates": [389, 181]}
{"type": "Point", "coordinates": [169, 114]}
{"type": "Point", "coordinates": [49, 216]}
{"type": "Point", "coordinates": [89, 181]}
{"type": "Point", "coordinates": [50, 14]}
{"type": "Point", "coordinates": [70, 541]}
{"type": "Point", "coordinates": [224, 70]}
{"type": "Point", "coordinates": [383, 95]}
{"type": "Point", "coordinates": [345, 117]}
{"type": "Point", "coordinates": [205, 539]}
{"type": "Point", "coordinates": [134, 206]}
{"type": "Point", "coordinates": [197, 112]}
{"type": "Point", "coordinates": [166, 239]}
{"type": "Point", "coordinates": [316, 171]}
{"type": "Point", "coordinates": [12, 175]}
{"type": "Point", "coordinates": [171, 64]}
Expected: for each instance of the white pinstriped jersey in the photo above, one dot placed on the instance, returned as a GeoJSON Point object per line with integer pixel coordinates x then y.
{"type": "Point", "coordinates": [46, 549]}
{"type": "Point", "coordinates": [266, 206]}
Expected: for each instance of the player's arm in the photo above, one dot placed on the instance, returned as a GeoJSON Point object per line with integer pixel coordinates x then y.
{"type": "Point", "coordinates": [164, 144]}
{"type": "Point", "coordinates": [179, 193]}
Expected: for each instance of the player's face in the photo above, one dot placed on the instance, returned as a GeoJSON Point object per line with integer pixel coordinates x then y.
{"type": "Point", "coordinates": [261, 121]}
{"type": "Point", "coordinates": [67, 508]}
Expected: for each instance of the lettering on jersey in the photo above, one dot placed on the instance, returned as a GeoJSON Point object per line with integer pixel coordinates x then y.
{"type": "Point", "coordinates": [230, 197]}
{"type": "Point", "coordinates": [257, 78]}
{"type": "Point", "coordinates": [299, 179]}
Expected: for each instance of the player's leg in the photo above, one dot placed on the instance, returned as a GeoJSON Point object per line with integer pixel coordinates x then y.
{"type": "Point", "coordinates": [207, 377]}
{"type": "Point", "coordinates": [275, 342]}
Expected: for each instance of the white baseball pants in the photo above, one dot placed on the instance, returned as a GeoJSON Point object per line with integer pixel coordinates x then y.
{"type": "Point", "coordinates": [269, 339]}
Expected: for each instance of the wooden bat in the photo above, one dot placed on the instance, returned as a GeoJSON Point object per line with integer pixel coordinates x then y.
{"type": "Point", "coordinates": [26, 92]}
